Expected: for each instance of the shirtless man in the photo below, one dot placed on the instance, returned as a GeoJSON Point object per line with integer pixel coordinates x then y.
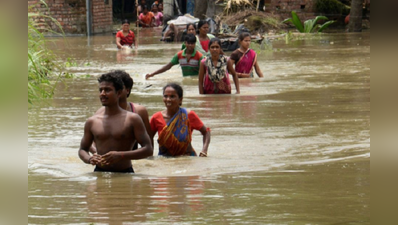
{"type": "Point", "coordinates": [129, 106]}
{"type": "Point", "coordinates": [114, 132]}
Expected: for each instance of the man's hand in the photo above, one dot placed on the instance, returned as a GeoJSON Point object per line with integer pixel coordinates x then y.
{"type": "Point", "coordinates": [95, 159]}
{"type": "Point", "coordinates": [111, 158]}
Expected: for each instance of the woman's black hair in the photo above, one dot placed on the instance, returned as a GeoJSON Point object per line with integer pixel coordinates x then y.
{"type": "Point", "coordinates": [144, 7]}
{"type": "Point", "coordinates": [213, 40]}
{"type": "Point", "coordinates": [125, 21]}
{"type": "Point", "coordinates": [176, 87]}
{"type": "Point", "coordinates": [201, 23]}
{"type": "Point", "coordinates": [216, 40]}
{"type": "Point", "coordinates": [191, 24]}
{"type": "Point", "coordinates": [243, 35]}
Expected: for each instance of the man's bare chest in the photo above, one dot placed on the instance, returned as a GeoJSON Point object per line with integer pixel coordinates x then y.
{"type": "Point", "coordinates": [112, 130]}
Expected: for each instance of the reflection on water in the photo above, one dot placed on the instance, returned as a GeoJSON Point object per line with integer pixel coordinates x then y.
{"type": "Point", "coordinates": [293, 148]}
{"type": "Point", "coordinates": [338, 193]}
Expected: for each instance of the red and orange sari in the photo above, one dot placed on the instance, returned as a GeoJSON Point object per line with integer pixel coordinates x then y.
{"type": "Point", "coordinates": [175, 137]}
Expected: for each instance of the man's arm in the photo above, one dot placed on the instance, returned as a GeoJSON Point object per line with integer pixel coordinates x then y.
{"type": "Point", "coordinates": [85, 145]}
{"type": "Point", "coordinates": [93, 147]}
{"type": "Point", "coordinates": [161, 70]}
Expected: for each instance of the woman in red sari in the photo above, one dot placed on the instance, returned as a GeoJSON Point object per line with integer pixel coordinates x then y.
{"type": "Point", "coordinates": [125, 37]}
{"type": "Point", "coordinates": [175, 125]}
{"type": "Point", "coordinates": [213, 72]}
{"type": "Point", "coordinates": [244, 58]}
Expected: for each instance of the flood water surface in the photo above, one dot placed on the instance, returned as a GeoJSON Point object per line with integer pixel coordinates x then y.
{"type": "Point", "coordinates": [292, 148]}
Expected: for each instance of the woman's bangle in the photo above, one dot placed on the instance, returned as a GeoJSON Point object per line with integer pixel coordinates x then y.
{"type": "Point", "coordinates": [89, 160]}
{"type": "Point", "coordinates": [122, 155]}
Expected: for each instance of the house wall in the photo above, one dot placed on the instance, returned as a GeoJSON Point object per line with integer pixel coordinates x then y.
{"type": "Point", "coordinates": [305, 9]}
{"type": "Point", "coordinates": [71, 15]}
{"type": "Point", "coordinates": [102, 16]}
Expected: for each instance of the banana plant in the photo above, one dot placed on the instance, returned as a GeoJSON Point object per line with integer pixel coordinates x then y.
{"type": "Point", "coordinates": [310, 26]}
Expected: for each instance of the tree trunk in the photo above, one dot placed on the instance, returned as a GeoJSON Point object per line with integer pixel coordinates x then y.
{"type": "Point", "coordinates": [200, 9]}
{"type": "Point", "coordinates": [168, 10]}
{"type": "Point", "coordinates": [211, 8]}
{"type": "Point", "coordinates": [355, 24]}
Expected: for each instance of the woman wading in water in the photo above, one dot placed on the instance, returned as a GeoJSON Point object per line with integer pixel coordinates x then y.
{"type": "Point", "coordinates": [244, 58]}
{"type": "Point", "coordinates": [125, 37]}
{"type": "Point", "coordinates": [203, 39]}
{"type": "Point", "coordinates": [213, 72]}
{"type": "Point", "coordinates": [175, 125]}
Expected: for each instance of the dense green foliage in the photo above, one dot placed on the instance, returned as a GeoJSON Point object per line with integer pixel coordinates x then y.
{"type": "Point", "coordinates": [40, 61]}
{"type": "Point", "coordinates": [331, 7]}
{"type": "Point", "coordinates": [310, 26]}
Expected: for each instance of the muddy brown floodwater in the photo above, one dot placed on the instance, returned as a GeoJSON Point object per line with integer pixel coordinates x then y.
{"type": "Point", "coordinates": [293, 148]}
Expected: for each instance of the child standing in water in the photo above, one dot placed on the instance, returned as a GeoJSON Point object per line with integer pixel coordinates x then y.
{"type": "Point", "coordinates": [244, 58]}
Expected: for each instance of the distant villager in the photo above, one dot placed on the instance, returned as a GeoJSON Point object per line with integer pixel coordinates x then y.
{"type": "Point", "coordinates": [189, 59]}
{"type": "Point", "coordinates": [158, 16]}
{"type": "Point", "coordinates": [202, 45]}
{"type": "Point", "coordinates": [146, 18]}
{"type": "Point", "coordinates": [191, 29]}
{"type": "Point", "coordinates": [125, 37]}
{"type": "Point", "coordinates": [245, 59]}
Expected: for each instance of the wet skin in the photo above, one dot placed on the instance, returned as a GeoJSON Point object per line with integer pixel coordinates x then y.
{"type": "Point", "coordinates": [114, 134]}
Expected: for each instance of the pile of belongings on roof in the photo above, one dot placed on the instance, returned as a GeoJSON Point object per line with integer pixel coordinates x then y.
{"type": "Point", "coordinates": [175, 31]}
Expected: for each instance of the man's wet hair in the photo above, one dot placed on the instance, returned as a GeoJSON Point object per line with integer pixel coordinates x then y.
{"type": "Point", "coordinates": [243, 35]}
{"type": "Point", "coordinates": [190, 38]}
{"type": "Point", "coordinates": [126, 79]}
{"type": "Point", "coordinates": [176, 87]}
{"type": "Point", "coordinates": [113, 78]}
